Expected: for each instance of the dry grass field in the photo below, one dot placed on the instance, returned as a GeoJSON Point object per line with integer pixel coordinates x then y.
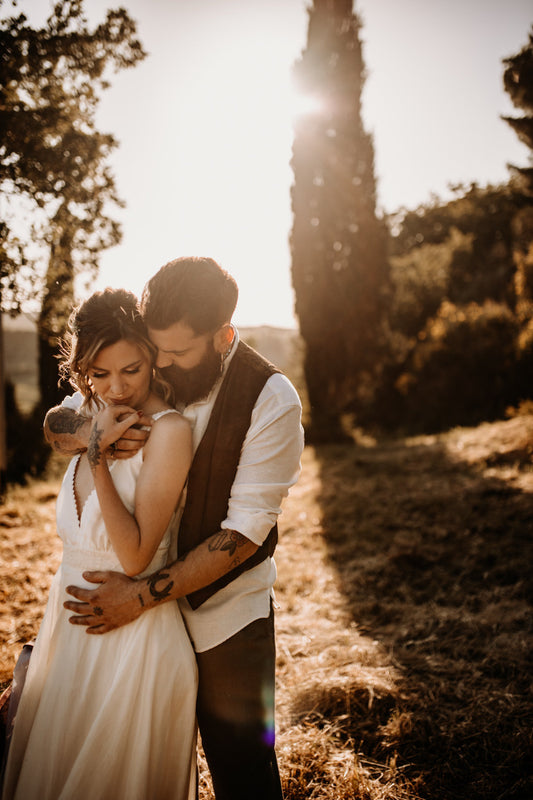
{"type": "Point", "coordinates": [404, 623]}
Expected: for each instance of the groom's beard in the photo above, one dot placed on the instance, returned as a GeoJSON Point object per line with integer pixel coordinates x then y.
{"type": "Point", "coordinates": [190, 385]}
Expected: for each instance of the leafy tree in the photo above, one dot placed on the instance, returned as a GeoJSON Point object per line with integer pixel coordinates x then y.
{"type": "Point", "coordinates": [53, 160]}
{"type": "Point", "coordinates": [338, 246]}
{"type": "Point", "coordinates": [54, 172]}
{"type": "Point", "coordinates": [462, 308]}
{"type": "Point", "coordinates": [459, 355]}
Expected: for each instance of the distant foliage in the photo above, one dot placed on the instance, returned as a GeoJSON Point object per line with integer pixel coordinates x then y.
{"type": "Point", "coordinates": [338, 246]}
{"type": "Point", "coordinates": [485, 269]}
{"type": "Point", "coordinates": [461, 311]}
{"type": "Point", "coordinates": [421, 278]}
{"type": "Point", "coordinates": [463, 370]}
{"type": "Point", "coordinates": [461, 342]}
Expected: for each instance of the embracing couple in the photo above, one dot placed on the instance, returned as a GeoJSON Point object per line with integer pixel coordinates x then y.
{"type": "Point", "coordinates": [184, 443]}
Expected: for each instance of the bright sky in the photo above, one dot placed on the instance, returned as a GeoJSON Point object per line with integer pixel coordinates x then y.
{"type": "Point", "coordinates": [205, 130]}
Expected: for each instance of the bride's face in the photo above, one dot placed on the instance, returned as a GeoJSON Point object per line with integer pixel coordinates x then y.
{"type": "Point", "coordinates": [121, 374]}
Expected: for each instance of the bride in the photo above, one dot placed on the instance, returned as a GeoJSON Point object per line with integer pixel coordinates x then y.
{"type": "Point", "coordinates": [112, 717]}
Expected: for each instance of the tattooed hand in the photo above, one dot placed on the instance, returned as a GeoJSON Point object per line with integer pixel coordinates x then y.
{"type": "Point", "coordinates": [108, 426]}
{"type": "Point", "coordinates": [112, 603]}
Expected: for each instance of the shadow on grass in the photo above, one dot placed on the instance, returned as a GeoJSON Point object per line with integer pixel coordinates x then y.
{"type": "Point", "coordinates": [434, 557]}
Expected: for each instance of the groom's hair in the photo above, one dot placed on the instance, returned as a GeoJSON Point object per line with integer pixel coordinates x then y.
{"type": "Point", "coordinates": [193, 290]}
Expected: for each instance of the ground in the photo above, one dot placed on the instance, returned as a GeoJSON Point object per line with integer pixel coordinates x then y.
{"type": "Point", "coordinates": [404, 614]}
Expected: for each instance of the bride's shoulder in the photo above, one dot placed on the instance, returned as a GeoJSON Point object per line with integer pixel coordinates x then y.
{"type": "Point", "coordinates": [170, 422]}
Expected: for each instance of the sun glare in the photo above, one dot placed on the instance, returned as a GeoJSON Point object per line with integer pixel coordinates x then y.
{"type": "Point", "coordinates": [303, 104]}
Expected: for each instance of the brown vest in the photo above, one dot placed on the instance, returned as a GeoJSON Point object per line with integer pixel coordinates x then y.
{"type": "Point", "coordinates": [216, 460]}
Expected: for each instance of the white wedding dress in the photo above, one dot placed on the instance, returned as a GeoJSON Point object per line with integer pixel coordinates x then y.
{"type": "Point", "coordinates": [111, 716]}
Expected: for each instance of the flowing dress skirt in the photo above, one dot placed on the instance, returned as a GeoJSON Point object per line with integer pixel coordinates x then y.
{"type": "Point", "coordinates": [111, 716]}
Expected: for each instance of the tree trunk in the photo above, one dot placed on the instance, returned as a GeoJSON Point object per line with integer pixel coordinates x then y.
{"type": "Point", "coordinates": [3, 426]}
{"type": "Point", "coordinates": [57, 304]}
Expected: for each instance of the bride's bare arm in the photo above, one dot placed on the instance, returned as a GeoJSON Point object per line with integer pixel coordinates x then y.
{"type": "Point", "coordinates": [166, 460]}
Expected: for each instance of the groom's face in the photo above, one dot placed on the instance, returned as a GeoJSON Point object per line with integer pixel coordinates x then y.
{"type": "Point", "coordinates": [190, 362]}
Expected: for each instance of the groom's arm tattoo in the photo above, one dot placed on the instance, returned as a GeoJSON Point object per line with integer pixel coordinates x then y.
{"type": "Point", "coordinates": [159, 585]}
{"type": "Point", "coordinates": [64, 422]}
{"type": "Point", "coordinates": [229, 541]}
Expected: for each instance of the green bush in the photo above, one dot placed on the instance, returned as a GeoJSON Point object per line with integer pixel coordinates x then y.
{"type": "Point", "coordinates": [420, 280]}
{"type": "Point", "coordinates": [463, 368]}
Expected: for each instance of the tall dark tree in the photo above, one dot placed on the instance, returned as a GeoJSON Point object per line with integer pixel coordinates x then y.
{"type": "Point", "coordinates": [53, 161]}
{"type": "Point", "coordinates": [338, 245]}
{"type": "Point", "coordinates": [518, 83]}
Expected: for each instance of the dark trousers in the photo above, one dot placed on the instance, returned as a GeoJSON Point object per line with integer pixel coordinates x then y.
{"type": "Point", "coordinates": [236, 714]}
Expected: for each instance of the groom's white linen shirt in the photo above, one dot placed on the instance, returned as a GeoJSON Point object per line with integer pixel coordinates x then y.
{"type": "Point", "coordinates": [268, 467]}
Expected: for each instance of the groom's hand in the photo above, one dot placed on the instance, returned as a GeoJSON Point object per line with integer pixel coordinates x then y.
{"type": "Point", "coordinates": [133, 439]}
{"type": "Point", "coordinates": [114, 602]}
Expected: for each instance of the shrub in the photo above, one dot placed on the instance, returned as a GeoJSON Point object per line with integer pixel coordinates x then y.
{"type": "Point", "coordinates": [420, 279]}
{"type": "Point", "coordinates": [463, 369]}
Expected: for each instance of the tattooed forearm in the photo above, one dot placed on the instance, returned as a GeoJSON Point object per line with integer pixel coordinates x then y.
{"type": "Point", "coordinates": [64, 431]}
{"type": "Point", "coordinates": [94, 453]}
{"type": "Point", "coordinates": [65, 451]}
{"type": "Point", "coordinates": [227, 540]}
{"type": "Point", "coordinates": [156, 592]}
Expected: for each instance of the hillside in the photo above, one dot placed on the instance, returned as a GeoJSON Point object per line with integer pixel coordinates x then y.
{"type": "Point", "coordinates": [282, 346]}
{"type": "Point", "coordinates": [20, 358]}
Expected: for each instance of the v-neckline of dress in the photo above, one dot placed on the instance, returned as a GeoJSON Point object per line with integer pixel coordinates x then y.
{"type": "Point", "coordinates": [80, 511]}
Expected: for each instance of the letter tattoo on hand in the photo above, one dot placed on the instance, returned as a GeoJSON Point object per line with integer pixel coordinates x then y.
{"type": "Point", "coordinates": [152, 580]}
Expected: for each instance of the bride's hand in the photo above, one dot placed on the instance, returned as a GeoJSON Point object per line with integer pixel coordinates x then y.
{"type": "Point", "coordinates": [107, 427]}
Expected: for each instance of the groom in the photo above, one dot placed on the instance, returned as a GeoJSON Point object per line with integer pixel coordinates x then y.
{"type": "Point", "coordinates": [247, 434]}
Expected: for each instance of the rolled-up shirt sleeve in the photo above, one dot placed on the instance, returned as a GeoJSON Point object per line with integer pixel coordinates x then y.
{"type": "Point", "coordinates": [73, 401]}
{"type": "Point", "coordinates": [269, 463]}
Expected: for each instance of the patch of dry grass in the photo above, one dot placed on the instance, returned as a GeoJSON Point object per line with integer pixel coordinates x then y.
{"type": "Point", "coordinates": [404, 622]}
{"type": "Point", "coordinates": [30, 553]}
{"type": "Point", "coordinates": [429, 543]}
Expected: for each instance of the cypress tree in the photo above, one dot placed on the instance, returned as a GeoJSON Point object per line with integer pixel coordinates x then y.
{"type": "Point", "coordinates": [338, 245]}
{"type": "Point", "coordinates": [518, 83]}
